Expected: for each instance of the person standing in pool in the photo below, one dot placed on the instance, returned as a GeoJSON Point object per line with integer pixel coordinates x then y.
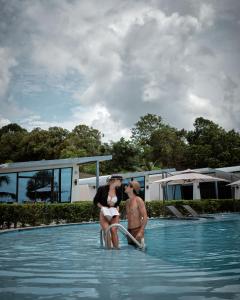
{"type": "Point", "coordinates": [136, 212]}
{"type": "Point", "coordinates": [107, 196]}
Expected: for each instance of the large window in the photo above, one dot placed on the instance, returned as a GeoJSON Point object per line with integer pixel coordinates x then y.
{"type": "Point", "coordinates": [172, 192]}
{"type": "Point", "coordinates": [52, 185]}
{"type": "Point", "coordinates": [8, 187]}
{"type": "Point", "coordinates": [66, 184]}
{"type": "Point", "coordinates": [36, 186]}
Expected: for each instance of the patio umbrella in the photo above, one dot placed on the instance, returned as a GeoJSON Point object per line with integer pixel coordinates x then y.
{"type": "Point", "coordinates": [235, 183]}
{"type": "Point", "coordinates": [189, 176]}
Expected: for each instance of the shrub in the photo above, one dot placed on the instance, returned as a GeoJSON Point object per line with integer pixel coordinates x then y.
{"type": "Point", "coordinates": [34, 214]}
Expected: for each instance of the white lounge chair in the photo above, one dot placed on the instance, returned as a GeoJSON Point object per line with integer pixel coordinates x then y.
{"type": "Point", "coordinates": [177, 214]}
{"type": "Point", "coordinates": [193, 212]}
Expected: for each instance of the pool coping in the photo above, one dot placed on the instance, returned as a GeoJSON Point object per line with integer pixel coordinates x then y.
{"type": "Point", "coordinates": [4, 231]}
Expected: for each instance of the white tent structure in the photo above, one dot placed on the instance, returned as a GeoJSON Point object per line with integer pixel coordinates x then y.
{"type": "Point", "coordinates": [189, 176]}
{"type": "Point", "coordinates": [236, 186]}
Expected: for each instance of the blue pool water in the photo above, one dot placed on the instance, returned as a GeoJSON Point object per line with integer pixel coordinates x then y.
{"type": "Point", "coordinates": [184, 260]}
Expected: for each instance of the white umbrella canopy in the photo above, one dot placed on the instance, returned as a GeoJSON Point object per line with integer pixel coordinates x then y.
{"type": "Point", "coordinates": [235, 183]}
{"type": "Point", "coordinates": [189, 177]}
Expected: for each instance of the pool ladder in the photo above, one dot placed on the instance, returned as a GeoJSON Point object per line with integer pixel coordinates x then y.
{"type": "Point", "coordinates": [124, 231]}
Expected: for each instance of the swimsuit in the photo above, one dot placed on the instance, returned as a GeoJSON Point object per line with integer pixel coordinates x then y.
{"type": "Point", "coordinates": [134, 232]}
{"type": "Point", "coordinates": [112, 200]}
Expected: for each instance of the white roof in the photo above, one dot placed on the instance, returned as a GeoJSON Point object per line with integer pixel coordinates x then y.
{"type": "Point", "coordinates": [92, 180]}
{"type": "Point", "coordinates": [50, 164]}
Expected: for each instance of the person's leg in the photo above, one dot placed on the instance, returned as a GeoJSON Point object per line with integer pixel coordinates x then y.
{"type": "Point", "coordinates": [105, 224]}
{"type": "Point", "coordinates": [114, 232]}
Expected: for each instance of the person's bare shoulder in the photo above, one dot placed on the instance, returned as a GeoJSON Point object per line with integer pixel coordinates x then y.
{"type": "Point", "coordinates": [140, 201]}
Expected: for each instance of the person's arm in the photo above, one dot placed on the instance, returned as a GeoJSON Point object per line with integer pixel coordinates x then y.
{"type": "Point", "coordinates": [97, 198]}
{"type": "Point", "coordinates": [126, 207]}
{"type": "Point", "coordinates": [143, 215]}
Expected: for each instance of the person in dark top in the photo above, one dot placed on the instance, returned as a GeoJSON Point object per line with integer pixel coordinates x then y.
{"type": "Point", "coordinates": [110, 196]}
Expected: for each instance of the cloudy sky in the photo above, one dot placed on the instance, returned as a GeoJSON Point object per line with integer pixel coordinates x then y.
{"type": "Point", "coordinates": [106, 63]}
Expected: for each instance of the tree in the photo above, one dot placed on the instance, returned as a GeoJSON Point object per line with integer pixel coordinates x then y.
{"type": "Point", "coordinates": [82, 141]}
{"type": "Point", "coordinates": [20, 145]}
{"type": "Point", "coordinates": [35, 145]}
{"type": "Point", "coordinates": [11, 128]}
{"type": "Point", "coordinates": [11, 138]}
{"type": "Point", "coordinates": [168, 148]}
{"type": "Point", "coordinates": [141, 137]}
{"type": "Point", "coordinates": [55, 141]}
{"type": "Point", "coordinates": [144, 128]}
{"type": "Point", "coordinates": [44, 144]}
{"type": "Point", "coordinates": [232, 148]}
{"type": "Point", "coordinates": [212, 146]}
{"type": "Point", "coordinates": [124, 156]}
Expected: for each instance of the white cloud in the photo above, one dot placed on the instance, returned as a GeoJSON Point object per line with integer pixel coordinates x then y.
{"type": "Point", "coordinates": [200, 106]}
{"type": "Point", "coordinates": [207, 14]}
{"type": "Point", "coordinates": [55, 59]}
{"type": "Point", "coordinates": [212, 109]}
{"type": "Point", "coordinates": [13, 110]}
{"type": "Point", "coordinates": [99, 117]}
{"type": "Point", "coordinates": [3, 121]}
{"type": "Point", "coordinates": [96, 117]}
{"type": "Point", "coordinates": [6, 63]}
{"type": "Point", "coordinates": [130, 58]}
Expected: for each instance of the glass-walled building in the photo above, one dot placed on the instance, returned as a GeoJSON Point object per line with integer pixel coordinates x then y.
{"type": "Point", "coordinates": [88, 185]}
{"type": "Point", "coordinates": [44, 181]}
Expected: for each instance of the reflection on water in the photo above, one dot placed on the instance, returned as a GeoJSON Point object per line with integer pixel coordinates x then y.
{"type": "Point", "coordinates": [184, 260]}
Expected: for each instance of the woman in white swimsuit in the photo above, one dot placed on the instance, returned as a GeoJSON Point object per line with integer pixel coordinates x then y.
{"type": "Point", "coordinates": [110, 195]}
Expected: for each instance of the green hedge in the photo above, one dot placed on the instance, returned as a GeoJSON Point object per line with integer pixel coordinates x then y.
{"type": "Point", "coordinates": [20, 215]}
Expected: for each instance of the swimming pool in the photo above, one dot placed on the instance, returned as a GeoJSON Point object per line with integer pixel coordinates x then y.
{"type": "Point", "coordinates": [184, 260]}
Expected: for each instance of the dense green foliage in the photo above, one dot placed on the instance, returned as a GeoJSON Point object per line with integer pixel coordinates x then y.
{"type": "Point", "coordinates": [153, 145]}
{"type": "Point", "coordinates": [21, 215]}
{"type": "Point", "coordinates": [37, 214]}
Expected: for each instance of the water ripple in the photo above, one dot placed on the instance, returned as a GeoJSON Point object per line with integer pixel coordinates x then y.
{"type": "Point", "coordinates": [183, 261]}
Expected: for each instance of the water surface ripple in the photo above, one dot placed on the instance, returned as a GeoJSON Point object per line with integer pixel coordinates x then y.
{"type": "Point", "coordinates": [184, 260]}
